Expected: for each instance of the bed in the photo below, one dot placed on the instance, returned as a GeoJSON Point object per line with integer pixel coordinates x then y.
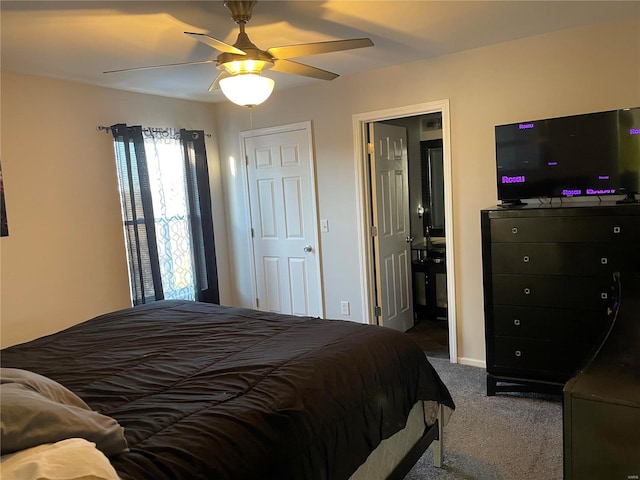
{"type": "Point", "coordinates": [201, 391]}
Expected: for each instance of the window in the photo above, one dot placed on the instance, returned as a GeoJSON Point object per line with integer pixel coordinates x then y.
{"type": "Point", "coordinates": [166, 210]}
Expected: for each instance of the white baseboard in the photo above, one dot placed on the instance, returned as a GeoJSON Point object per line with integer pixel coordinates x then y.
{"type": "Point", "coordinates": [472, 362]}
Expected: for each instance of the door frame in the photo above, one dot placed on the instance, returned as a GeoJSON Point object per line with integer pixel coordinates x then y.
{"type": "Point", "coordinates": [306, 126]}
{"type": "Point", "coordinates": [363, 198]}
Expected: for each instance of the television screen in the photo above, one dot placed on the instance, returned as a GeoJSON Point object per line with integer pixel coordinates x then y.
{"type": "Point", "coordinates": [582, 155]}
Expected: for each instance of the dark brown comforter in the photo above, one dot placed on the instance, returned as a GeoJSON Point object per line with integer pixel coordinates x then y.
{"type": "Point", "coordinates": [210, 392]}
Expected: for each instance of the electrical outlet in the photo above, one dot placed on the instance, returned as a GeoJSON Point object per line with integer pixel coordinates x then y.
{"type": "Point", "coordinates": [344, 308]}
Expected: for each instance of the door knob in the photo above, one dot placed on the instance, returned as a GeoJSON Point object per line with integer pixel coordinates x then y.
{"type": "Point", "coordinates": [307, 248]}
{"type": "Point", "coordinates": [409, 239]}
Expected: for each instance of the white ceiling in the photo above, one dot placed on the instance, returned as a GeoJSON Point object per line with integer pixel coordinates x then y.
{"type": "Point", "coordinates": [78, 40]}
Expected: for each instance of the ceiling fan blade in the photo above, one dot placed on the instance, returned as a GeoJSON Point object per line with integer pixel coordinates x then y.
{"type": "Point", "coordinates": [215, 43]}
{"type": "Point", "coordinates": [160, 66]}
{"type": "Point", "coordinates": [295, 68]}
{"type": "Point", "coordinates": [216, 83]}
{"type": "Point", "coordinates": [305, 49]}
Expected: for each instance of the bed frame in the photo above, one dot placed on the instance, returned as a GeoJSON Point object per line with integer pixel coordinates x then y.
{"type": "Point", "coordinates": [432, 437]}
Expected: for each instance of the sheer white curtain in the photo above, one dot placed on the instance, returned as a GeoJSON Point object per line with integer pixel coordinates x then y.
{"type": "Point", "coordinates": [167, 181]}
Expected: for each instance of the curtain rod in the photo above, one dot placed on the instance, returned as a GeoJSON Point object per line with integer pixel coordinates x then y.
{"type": "Point", "coordinates": [108, 130]}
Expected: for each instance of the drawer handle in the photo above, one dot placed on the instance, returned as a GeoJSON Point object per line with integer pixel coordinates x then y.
{"type": "Point", "coordinates": [516, 322]}
{"type": "Point", "coordinates": [518, 353]}
{"type": "Point", "coordinates": [514, 230]}
{"type": "Point", "coordinates": [604, 295]}
{"type": "Point", "coordinates": [604, 260]}
{"type": "Point", "coordinates": [527, 291]}
{"type": "Point", "coordinates": [617, 229]}
{"type": "Point", "coordinates": [525, 259]}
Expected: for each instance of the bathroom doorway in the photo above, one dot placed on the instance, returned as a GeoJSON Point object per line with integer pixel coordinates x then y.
{"type": "Point", "coordinates": [430, 208]}
{"type": "Point", "coordinates": [425, 204]}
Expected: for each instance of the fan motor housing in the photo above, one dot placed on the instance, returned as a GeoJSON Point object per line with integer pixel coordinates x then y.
{"type": "Point", "coordinates": [240, 10]}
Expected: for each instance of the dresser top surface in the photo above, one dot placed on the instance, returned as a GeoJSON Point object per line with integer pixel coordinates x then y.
{"type": "Point", "coordinates": [563, 209]}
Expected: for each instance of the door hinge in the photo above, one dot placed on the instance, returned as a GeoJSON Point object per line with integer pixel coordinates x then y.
{"type": "Point", "coordinates": [257, 303]}
{"type": "Point", "coordinates": [370, 148]}
{"type": "Point", "coordinates": [252, 232]}
{"type": "Point", "coordinates": [246, 160]}
{"type": "Point", "coordinates": [374, 231]}
{"type": "Point", "coordinates": [377, 311]}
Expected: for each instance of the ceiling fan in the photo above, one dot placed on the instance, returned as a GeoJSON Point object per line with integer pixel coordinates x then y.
{"type": "Point", "coordinates": [244, 61]}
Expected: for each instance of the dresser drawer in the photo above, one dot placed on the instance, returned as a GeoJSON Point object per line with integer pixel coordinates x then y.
{"type": "Point", "coordinates": [548, 323]}
{"type": "Point", "coordinates": [544, 357]}
{"type": "Point", "coordinates": [580, 293]}
{"type": "Point", "coordinates": [601, 258]}
{"type": "Point", "coordinates": [591, 259]}
{"type": "Point", "coordinates": [566, 229]}
{"type": "Point", "coordinates": [527, 258]}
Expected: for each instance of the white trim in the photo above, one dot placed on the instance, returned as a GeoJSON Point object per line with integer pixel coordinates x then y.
{"type": "Point", "coordinates": [247, 200]}
{"type": "Point", "coordinates": [364, 211]}
{"type": "Point", "coordinates": [314, 204]}
{"type": "Point", "coordinates": [472, 362]}
{"type": "Point", "coordinates": [363, 194]}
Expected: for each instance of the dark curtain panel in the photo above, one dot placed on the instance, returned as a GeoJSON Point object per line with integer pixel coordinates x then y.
{"type": "Point", "coordinates": [137, 211]}
{"type": "Point", "coordinates": [204, 250]}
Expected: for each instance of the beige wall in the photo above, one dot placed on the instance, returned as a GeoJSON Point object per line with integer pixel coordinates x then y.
{"type": "Point", "coordinates": [64, 259]}
{"type": "Point", "coordinates": [564, 73]}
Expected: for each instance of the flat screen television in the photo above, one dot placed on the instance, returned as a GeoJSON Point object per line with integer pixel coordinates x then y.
{"type": "Point", "coordinates": [594, 154]}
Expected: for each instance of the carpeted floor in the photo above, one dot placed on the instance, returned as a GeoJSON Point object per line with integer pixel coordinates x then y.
{"type": "Point", "coordinates": [506, 437]}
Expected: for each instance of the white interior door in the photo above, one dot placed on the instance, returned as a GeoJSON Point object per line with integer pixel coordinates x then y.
{"type": "Point", "coordinates": [280, 173]}
{"type": "Point", "coordinates": [392, 243]}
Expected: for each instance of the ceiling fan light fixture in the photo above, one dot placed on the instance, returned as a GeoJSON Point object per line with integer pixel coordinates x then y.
{"type": "Point", "coordinates": [236, 67]}
{"type": "Point", "coordinates": [247, 89]}
{"type": "Point", "coordinates": [241, 64]}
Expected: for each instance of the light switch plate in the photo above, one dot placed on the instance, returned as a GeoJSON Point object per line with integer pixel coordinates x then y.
{"type": "Point", "coordinates": [344, 308]}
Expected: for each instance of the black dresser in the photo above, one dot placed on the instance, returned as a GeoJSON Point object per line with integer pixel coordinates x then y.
{"type": "Point", "coordinates": [548, 282]}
